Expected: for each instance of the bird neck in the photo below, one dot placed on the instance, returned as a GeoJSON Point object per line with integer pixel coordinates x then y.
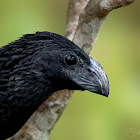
{"type": "Point", "coordinates": [33, 93]}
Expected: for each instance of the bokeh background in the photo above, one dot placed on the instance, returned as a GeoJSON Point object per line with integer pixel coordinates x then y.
{"type": "Point", "coordinates": [89, 116]}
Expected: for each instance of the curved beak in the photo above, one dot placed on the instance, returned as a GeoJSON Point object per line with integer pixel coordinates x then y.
{"type": "Point", "coordinates": [93, 78]}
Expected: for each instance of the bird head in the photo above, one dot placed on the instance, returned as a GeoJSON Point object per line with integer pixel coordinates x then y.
{"type": "Point", "coordinates": [34, 67]}
{"type": "Point", "coordinates": [68, 67]}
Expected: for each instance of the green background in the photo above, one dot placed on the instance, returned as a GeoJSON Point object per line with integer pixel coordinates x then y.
{"type": "Point", "coordinates": [89, 116]}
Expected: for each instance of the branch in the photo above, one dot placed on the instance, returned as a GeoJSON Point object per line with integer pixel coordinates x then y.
{"type": "Point", "coordinates": [91, 21]}
{"type": "Point", "coordinates": [83, 33]}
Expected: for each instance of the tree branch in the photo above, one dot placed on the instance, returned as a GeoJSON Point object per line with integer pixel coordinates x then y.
{"type": "Point", "coordinates": [83, 33]}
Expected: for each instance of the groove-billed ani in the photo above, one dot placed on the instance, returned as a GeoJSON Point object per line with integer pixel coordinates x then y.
{"type": "Point", "coordinates": [34, 67]}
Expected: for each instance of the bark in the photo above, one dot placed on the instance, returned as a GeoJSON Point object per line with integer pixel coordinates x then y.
{"type": "Point", "coordinates": [83, 30]}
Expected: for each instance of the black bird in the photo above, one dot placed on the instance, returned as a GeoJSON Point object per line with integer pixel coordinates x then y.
{"type": "Point", "coordinates": [34, 67]}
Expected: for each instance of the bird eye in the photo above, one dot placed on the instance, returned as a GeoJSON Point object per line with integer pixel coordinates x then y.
{"type": "Point", "coordinates": [70, 59]}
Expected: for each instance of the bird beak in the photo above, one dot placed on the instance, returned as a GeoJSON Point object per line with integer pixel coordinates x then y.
{"type": "Point", "coordinates": [93, 78]}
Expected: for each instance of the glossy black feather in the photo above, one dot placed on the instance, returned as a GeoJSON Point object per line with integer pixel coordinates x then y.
{"type": "Point", "coordinates": [31, 69]}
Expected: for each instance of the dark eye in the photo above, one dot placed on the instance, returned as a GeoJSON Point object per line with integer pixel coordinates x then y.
{"type": "Point", "coordinates": [70, 59]}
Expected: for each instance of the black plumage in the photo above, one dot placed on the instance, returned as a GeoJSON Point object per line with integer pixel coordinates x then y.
{"type": "Point", "coordinates": [34, 67]}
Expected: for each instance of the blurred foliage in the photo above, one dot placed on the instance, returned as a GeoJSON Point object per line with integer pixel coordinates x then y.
{"type": "Point", "coordinates": [89, 116]}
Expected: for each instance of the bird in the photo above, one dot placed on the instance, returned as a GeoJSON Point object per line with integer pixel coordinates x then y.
{"type": "Point", "coordinates": [35, 66]}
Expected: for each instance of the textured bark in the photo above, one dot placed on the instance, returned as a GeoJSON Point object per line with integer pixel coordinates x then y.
{"type": "Point", "coordinates": [83, 30]}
